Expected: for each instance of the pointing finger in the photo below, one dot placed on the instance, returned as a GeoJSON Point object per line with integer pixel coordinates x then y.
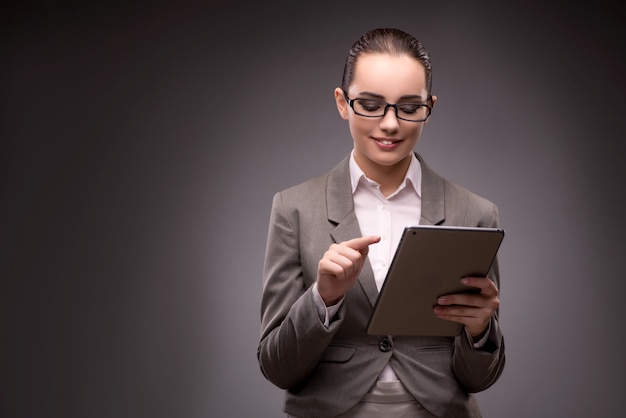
{"type": "Point", "coordinates": [362, 244]}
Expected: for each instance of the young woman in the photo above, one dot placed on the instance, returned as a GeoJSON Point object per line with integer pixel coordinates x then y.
{"type": "Point", "coordinates": [329, 246]}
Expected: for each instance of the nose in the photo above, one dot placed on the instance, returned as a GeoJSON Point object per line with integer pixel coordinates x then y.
{"type": "Point", "coordinates": [389, 121]}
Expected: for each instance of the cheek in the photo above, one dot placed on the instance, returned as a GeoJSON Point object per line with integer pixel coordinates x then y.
{"type": "Point", "coordinates": [415, 131]}
{"type": "Point", "coordinates": [355, 129]}
{"type": "Point", "coordinates": [360, 128]}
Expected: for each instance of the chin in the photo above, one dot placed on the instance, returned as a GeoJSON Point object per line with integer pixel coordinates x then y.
{"type": "Point", "coordinates": [390, 158]}
{"type": "Point", "coordinates": [388, 162]}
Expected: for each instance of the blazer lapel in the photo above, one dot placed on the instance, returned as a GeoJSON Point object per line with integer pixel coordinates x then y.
{"type": "Point", "coordinates": [340, 207]}
{"type": "Point", "coordinates": [433, 192]}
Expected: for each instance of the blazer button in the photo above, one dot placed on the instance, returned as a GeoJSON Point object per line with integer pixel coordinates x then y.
{"type": "Point", "coordinates": [384, 344]}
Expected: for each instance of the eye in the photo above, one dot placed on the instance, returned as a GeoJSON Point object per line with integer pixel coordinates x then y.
{"type": "Point", "coordinates": [369, 105]}
{"type": "Point", "coordinates": [409, 108]}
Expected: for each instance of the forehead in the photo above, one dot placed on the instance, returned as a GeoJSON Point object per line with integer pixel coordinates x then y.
{"type": "Point", "coordinates": [389, 75]}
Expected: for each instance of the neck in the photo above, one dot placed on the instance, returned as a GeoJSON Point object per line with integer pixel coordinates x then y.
{"type": "Point", "coordinates": [389, 177]}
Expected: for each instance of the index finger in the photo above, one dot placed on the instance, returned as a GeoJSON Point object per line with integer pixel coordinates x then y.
{"type": "Point", "coordinates": [362, 243]}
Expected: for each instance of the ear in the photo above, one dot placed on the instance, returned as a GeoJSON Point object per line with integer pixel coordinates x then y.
{"type": "Point", "coordinates": [342, 105]}
{"type": "Point", "coordinates": [433, 101]}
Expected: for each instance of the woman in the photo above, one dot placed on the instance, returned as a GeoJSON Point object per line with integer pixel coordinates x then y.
{"type": "Point", "coordinates": [329, 245]}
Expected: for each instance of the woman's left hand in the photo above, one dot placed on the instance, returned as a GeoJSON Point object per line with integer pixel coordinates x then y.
{"type": "Point", "coordinates": [474, 310]}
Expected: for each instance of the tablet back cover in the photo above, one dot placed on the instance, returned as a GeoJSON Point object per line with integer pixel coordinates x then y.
{"type": "Point", "coordinates": [429, 262]}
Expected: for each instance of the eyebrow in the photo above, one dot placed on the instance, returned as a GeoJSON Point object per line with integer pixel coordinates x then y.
{"type": "Point", "coordinates": [381, 97]}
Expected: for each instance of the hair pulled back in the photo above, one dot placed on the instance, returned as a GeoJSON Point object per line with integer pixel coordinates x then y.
{"type": "Point", "coordinates": [386, 41]}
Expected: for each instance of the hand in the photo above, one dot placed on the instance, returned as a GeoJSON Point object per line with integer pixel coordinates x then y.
{"type": "Point", "coordinates": [341, 265]}
{"type": "Point", "coordinates": [474, 310]}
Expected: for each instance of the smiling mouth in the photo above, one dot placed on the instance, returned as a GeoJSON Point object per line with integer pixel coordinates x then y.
{"type": "Point", "coordinates": [386, 141]}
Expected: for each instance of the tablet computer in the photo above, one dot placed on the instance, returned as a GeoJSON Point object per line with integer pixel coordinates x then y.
{"type": "Point", "coordinates": [428, 263]}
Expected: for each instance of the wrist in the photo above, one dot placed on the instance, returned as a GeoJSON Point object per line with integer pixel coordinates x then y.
{"type": "Point", "coordinates": [330, 302]}
{"type": "Point", "coordinates": [329, 298]}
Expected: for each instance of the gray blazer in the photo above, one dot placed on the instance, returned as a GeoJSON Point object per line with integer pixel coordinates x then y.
{"type": "Point", "coordinates": [326, 371]}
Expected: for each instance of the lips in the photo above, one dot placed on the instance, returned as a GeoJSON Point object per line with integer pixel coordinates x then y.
{"type": "Point", "coordinates": [386, 141]}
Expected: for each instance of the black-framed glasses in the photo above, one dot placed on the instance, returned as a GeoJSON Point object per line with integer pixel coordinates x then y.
{"type": "Point", "coordinates": [373, 108]}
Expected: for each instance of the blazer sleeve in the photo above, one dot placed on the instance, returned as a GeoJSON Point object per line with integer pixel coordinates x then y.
{"type": "Point", "coordinates": [293, 338]}
{"type": "Point", "coordinates": [478, 369]}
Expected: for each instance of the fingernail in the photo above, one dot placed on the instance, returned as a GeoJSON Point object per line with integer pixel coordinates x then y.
{"type": "Point", "coordinates": [441, 301]}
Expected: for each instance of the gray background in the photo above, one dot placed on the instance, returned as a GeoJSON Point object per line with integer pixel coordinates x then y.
{"type": "Point", "coordinates": [141, 146]}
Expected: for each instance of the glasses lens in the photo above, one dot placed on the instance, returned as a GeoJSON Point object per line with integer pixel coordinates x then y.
{"type": "Point", "coordinates": [368, 107]}
{"type": "Point", "coordinates": [412, 111]}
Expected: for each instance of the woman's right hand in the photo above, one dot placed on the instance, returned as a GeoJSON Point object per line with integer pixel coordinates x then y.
{"type": "Point", "coordinates": [340, 267]}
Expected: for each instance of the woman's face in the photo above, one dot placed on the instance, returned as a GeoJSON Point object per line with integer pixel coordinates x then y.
{"type": "Point", "coordinates": [383, 143]}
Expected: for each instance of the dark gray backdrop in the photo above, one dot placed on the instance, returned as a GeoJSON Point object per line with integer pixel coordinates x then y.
{"type": "Point", "coordinates": [141, 146]}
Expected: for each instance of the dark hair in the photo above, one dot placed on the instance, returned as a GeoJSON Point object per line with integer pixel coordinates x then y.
{"type": "Point", "coordinates": [389, 41]}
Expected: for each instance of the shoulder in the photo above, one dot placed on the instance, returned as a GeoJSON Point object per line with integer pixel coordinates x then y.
{"type": "Point", "coordinates": [462, 206]}
{"type": "Point", "coordinates": [457, 192]}
{"type": "Point", "coordinates": [303, 192]}
{"type": "Point", "coordinates": [314, 189]}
